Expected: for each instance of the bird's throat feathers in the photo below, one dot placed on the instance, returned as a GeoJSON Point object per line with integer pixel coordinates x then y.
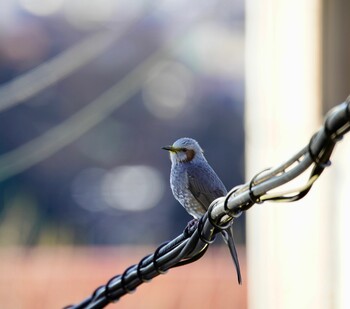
{"type": "Point", "coordinates": [184, 157]}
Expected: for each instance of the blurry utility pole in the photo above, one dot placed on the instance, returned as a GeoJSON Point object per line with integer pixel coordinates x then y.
{"type": "Point", "coordinates": [335, 87]}
{"type": "Point", "coordinates": [290, 246]}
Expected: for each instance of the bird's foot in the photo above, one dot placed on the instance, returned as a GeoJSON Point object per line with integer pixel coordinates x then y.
{"type": "Point", "coordinates": [191, 226]}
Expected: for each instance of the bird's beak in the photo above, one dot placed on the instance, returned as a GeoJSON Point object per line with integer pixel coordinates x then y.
{"type": "Point", "coordinates": [169, 148]}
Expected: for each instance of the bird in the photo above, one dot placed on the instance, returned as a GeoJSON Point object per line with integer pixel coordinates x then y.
{"type": "Point", "coordinates": [195, 185]}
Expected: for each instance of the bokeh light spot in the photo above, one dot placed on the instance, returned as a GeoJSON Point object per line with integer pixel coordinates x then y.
{"type": "Point", "coordinates": [42, 8]}
{"type": "Point", "coordinates": [215, 49]}
{"type": "Point", "coordinates": [86, 189]}
{"type": "Point", "coordinates": [133, 188]}
{"type": "Point", "coordinates": [87, 14]}
{"type": "Point", "coordinates": [103, 143]}
{"type": "Point", "coordinates": [167, 89]}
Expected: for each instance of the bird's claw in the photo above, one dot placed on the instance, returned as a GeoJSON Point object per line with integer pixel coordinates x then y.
{"type": "Point", "coordinates": [191, 226]}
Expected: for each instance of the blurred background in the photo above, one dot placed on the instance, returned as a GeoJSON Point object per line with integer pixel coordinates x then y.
{"type": "Point", "coordinates": [89, 93]}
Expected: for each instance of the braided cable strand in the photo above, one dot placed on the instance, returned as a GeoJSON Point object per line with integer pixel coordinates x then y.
{"type": "Point", "coordinates": [195, 240]}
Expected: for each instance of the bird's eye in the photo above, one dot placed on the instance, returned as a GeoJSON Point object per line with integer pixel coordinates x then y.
{"type": "Point", "coordinates": [183, 149]}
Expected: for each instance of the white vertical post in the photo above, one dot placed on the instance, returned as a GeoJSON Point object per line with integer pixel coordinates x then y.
{"type": "Point", "coordinates": [340, 204]}
{"type": "Point", "coordinates": [289, 252]}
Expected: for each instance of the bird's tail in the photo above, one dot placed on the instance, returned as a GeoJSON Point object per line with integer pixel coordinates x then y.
{"type": "Point", "coordinates": [228, 237]}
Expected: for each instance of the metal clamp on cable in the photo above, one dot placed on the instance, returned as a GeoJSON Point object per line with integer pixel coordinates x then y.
{"type": "Point", "coordinates": [315, 158]}
{"type": "Point", "coordinates": [235, 213]}
{"type": "Point", "coordinates": [253, 199]}
{"type": "Point", "coordinates": [200, 230]}
{"type": "Point", "coordinates": [219, 227]}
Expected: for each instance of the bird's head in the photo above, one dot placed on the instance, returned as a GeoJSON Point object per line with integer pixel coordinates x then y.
{"type": "Point", "coordinates": [184, 149]}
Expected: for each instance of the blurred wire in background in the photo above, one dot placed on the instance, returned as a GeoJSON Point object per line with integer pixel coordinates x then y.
{"type": "Point", "coordinates": [72, 149]}
{"type": "Point", "coordinates": [89, 92]}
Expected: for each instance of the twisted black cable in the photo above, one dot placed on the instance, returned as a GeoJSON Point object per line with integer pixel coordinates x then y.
{"type": "Point", "coordinates": [193, 243]}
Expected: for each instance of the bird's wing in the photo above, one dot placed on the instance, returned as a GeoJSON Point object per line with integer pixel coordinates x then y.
{"type": "Point", "coordinates": [205, 185]}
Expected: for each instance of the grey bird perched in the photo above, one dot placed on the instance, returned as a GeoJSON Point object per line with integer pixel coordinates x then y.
{"type": "Point", "coordinates": [195, 185]}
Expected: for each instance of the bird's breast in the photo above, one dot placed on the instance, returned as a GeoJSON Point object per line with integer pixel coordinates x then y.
{"type": "Point", "coordinates": [179, 183]}
{"type": "Point", "coordinates": [180, 189]}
